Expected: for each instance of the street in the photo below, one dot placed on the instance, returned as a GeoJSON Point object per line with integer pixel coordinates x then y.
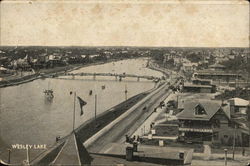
{"type": "Point", "coordinates": [129, 124]}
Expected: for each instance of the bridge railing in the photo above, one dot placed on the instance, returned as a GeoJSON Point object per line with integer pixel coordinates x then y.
{"type": "Point", "coordinates": [110, 74]}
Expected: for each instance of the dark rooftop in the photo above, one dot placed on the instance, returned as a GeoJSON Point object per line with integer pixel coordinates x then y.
{"type": "Point", "coordinates": [210, 106]}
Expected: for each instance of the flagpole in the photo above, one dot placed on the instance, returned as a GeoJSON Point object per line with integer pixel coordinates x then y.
{"type": "Point", "coordinates": [28, 156]}
{"type": "Point", "coordinates": [74, 111]}
{"type": "Point", "coordinates": [95, 107]}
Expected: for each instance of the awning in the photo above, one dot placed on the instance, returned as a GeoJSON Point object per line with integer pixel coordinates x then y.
{"type": "Point", "coordinates": [196, 130]}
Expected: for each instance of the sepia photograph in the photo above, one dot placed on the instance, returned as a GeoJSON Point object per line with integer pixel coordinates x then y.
{"type": "Point", "coordinates": [124, 83]}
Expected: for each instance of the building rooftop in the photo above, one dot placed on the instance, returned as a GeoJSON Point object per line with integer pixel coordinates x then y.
{"type": "Point", "coordinates": [187, 64]}
{"type": "Point", "coordinates": [216, 65]}
{"type": "Point", "coordinates": [3, 68]}
{"type": "Point", "coordinates": [146, 154]}
{"type": "Point", "coordinates": [210, 107]}
{"type": "Point", "coordinates": [112, 160]}
{"type": "Point", "coordinates": [200, 79]}
{"type": "Point", "coordinates": [72, 153]}
{"type": "Point", "coordinates": [238, 102]}
{"type": "Point", "coordinates": [69, 152]}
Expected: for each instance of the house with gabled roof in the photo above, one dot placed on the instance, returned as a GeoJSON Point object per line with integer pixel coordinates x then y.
{"type": "Point", "coordinates": [210, 121]}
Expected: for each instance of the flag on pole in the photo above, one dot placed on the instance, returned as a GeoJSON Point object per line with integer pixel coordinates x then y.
{"type": "Point", "coordinates": [82, 103]}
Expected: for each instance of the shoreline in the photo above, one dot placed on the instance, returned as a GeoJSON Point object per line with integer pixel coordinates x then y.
{"type": "Point", "coordinates": [48, 73]}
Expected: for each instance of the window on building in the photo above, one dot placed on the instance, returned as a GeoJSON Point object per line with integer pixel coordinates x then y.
{"type": "Point", "coordinates": [216, 123]}
{"type": "Point", "coordinates": [225, 136]}
{"type": "Point", "coordinates": [199, 110]}
{"type": "Point", "coordinates": [216, 136]}
{"type": "Point", "coordinates": [236, 109]}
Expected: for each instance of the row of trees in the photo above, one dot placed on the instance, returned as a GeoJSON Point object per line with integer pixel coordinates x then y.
{"type": "Point", "coordinates": [240, 64]}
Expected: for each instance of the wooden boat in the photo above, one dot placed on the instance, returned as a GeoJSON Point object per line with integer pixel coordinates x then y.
{"type": "Point", "coordinates": [48, 93]}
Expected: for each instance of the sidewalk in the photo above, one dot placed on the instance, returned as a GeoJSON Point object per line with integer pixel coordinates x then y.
{"type": "Point", "coordinates": [207, 152]}
{"type": "Point", "coordinates": [128, 122]}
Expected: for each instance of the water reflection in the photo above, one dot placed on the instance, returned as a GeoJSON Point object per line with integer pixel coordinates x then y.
{"type": "Point", "coordinates": [48, 101]}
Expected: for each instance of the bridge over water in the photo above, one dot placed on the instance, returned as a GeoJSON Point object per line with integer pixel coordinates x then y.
{"type": "Point", "coordinates": [117, 76]}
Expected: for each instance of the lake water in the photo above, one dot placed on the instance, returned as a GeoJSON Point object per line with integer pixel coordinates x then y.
{"type": "Point", "coordinates": [27, 117]}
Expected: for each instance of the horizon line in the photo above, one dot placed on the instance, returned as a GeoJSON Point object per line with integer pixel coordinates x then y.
{"type": "Point", "coordinates": [123, 46]}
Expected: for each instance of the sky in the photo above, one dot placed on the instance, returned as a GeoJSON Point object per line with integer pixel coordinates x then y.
{"type": "Point", "coordinates": [166, 23]}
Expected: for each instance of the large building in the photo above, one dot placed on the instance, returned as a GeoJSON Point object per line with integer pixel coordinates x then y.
{"type": "Point", "coordinates": [216, 75]}
{"type": "Point", "coordinates": [210, 120]}
{"type": "Point", "coordinates": [196, 88]}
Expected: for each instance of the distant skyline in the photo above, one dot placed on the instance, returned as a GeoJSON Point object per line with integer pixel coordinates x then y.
{"type": "Point", "coordinates": [125, 23]}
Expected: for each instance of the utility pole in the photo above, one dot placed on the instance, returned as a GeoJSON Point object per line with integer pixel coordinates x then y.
{"type": "Point", "coordinates": [234, 140]}
{"type": "Point", "coordinates": [177, 99]}
{"type": "Point", "coordinates": [95, 108]}
{"type": "Point", "coordinates": [225, 157]}
{"type": "Point", "coordinates": [28, 157]}
{"type": "Point", "coordinates": [9, 150]}
{"type": "Point", "coordinates": [126, 93]}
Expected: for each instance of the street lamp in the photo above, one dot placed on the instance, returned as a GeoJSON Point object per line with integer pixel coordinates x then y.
{"type": "Point", "coordinates": [9, 150]}
{"type": "Point", "coordinates": [225, 157]}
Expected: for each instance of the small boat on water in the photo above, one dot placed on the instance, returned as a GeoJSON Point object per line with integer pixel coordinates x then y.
{"type": "Point", "coordinates": [49, 93]}
{"type": "Point", "coordinates": [90, 92]}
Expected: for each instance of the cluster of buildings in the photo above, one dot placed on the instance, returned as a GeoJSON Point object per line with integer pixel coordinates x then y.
{"type": "Point", "coordinates": [42, 58]}
{"type": "Point", "coordinates": [204, 62]}
{"type": "Point", "coordinates": [42, 61]}
{"type": "Point", "coordinates": [206, 120]}
{"type": "Point", "coordinates": [200, 118]}
{"type": "Point", "coordinates": [195, 116]}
